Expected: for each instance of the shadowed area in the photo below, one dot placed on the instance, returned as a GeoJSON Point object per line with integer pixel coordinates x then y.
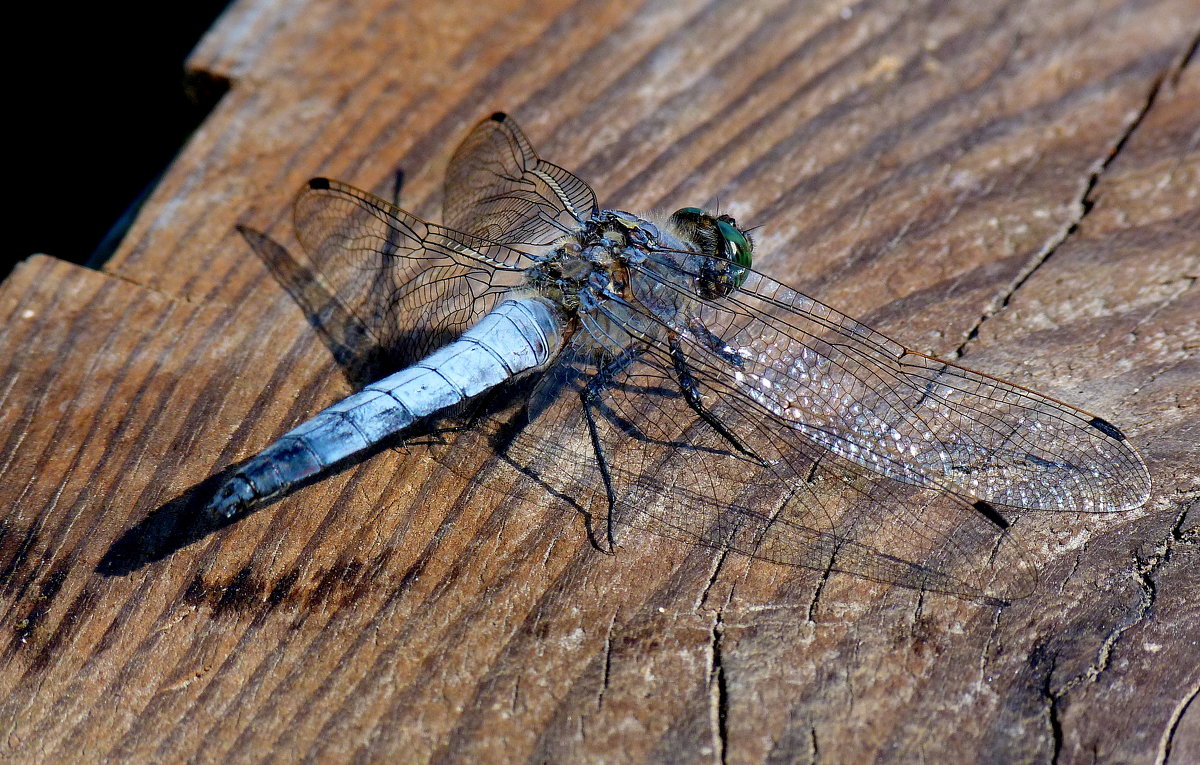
{"type": "Point", "coordinates": [186, 520]}
{"type": "Point", "coordinates": [167, 529]}
{"type": "Point", "coordinates": [360, 358]}
{"type": "Point", "coordinates": [183, 521]}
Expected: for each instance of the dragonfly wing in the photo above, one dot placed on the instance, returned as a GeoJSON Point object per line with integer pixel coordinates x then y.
{"type": "Point", "coordinates": [411, 285]}
{"type": "Point", "coordinates": [816, 511]}
{"type": "Point", "coordinates": [832, 382]}
{"type": "Point", "coordinates": [499, 189]}
{"type": "Point", "coordinates": [767, 493]}
{"type": "Point", "coordinates": [350, 342]}
{"type": "Point", "coordinates": [763, 493]}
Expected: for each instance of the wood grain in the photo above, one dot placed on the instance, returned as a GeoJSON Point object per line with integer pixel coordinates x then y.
{"type": "Point", "coordinates": [1013, 183]}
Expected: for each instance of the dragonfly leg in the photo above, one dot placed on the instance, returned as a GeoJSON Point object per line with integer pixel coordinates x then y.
{"type": "Point", "coordinates": [590, 397]}
{"type": "Point", "coordinates": [602, 464]}
{"type": "Point", "coordinates": [691, 394]}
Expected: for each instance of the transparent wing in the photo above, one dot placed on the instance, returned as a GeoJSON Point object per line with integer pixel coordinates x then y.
{"type": "Point", "coordinates": [767, 494]}
{"type": "Point", "coordinates": [350, 342]}
{"type": "Point", "coordinates": [497, 188]}
{"type": "Point", "coordinates": [834, 383]}
{"type": "Point", "coordinates": [768, 423]}
{"type": "Point", "coordinates": [413, 286]}
{"type": "Point", "coordinates": [808, 508]}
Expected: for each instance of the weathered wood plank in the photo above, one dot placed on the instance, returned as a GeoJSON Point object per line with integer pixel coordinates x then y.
{"type": "Point", "coordinates": [1018, 183]}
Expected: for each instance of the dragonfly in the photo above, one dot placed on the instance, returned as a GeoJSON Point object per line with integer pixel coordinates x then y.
{"type": "Point", "coordinates": [644, 365]}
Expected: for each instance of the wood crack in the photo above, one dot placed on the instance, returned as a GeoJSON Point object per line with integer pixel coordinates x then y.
{"type": "Point", "coordinates": [816, 596]}
{"type": "Point", "coordinates": [1051, 699]}
{"type": "Point", "coordinates": [606, 675]}
{"type": "Point", "coordinates": [718, 564]}
{"type": "Point", "coordinates": [1083, 204]}
{"type": "Point", "coordinates": [1143, 574]}
{"type": "Point", "coordinates": [1168, 741]}
{"type": "Point", "coordinates": [719, 698]}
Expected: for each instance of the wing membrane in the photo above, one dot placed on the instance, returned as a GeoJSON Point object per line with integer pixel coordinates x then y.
{"type": "Point", "coordinates": [412, 285]}
{"type": "Point", "coordinates": [837, 449]}
{"type": "Point", "coordinates": [498, 188]}
{"type": "Point", "coordinates": [761, 421]}
{"type": "Point", "coordinates": [842, 386]}
{"type": "Point", "coordinates": [783, 499]}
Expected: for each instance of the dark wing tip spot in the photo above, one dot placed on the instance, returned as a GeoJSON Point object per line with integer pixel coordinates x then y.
{"type": "Point", "coordinates": [991, 513]}
{"type": "Point", "coordinates": [318, 183]}
{"type": "Point", "coordinates": [499, 117]}
{"type": "Point", "coordinates": [1107, 428]}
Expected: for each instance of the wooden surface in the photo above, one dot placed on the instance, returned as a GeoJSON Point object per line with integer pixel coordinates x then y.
{"type": "Point", "coordinates": [1018, 183]}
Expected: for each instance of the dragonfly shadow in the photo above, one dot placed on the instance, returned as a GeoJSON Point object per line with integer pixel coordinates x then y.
{"type": "Point", "coordinates": [502, 442]}
{"type": "Point", "coordinates": [361, 358]}
{"type": "Point", "coordinates": [169, 528]}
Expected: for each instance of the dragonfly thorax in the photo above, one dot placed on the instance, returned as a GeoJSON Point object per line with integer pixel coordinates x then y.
{"type": "Point", "coordinates": [590, 265]}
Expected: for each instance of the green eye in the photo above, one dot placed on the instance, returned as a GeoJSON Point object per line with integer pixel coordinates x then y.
{"type": "Point", "coordinates": [742, 249]}
{"type": "Point", "coordinates": [718, 238]}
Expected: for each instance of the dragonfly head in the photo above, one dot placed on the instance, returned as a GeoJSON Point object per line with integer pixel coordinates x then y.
{"type": "Point", "coordinates": [718, 237]}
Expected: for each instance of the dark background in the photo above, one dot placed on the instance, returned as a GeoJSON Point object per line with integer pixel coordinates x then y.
{"type": "Point", "coordinates": [100, 106]}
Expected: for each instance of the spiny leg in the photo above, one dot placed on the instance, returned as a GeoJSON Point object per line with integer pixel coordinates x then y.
{"type": "Point", "coordinates": [590, 397]}
{"type": "Point", "coordinates": [691, 394]}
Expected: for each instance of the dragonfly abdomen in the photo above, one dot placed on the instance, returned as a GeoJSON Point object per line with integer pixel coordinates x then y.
{"type": "Point", "coordinates": [515, 337]}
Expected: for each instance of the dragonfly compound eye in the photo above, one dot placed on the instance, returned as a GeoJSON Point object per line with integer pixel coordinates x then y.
{"type": "Point", "coordinates": [719, 238]}
{"type": "Point", "coordinates": [738, 249]}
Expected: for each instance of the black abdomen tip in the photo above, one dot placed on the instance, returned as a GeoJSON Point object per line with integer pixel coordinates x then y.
{"type": "Point", "coordinates": [1107, 428]}
{"type": "Point", "coordinates": [318, 183]}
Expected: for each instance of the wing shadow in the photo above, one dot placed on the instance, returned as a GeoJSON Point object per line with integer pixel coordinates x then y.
{"type": "Point", "coordinates": [361, 359]}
